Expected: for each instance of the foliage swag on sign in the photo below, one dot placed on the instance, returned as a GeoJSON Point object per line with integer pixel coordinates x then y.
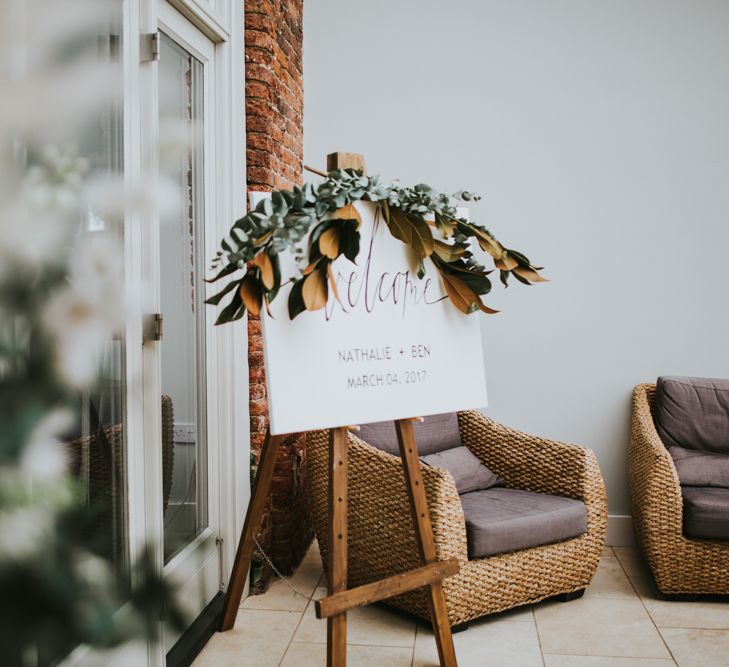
{"type": "Point", "coordinates": [419, 216]}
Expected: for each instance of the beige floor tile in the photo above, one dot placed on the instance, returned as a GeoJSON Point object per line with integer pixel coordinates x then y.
{"type": "Point", "coordinates": [373, 625]}
{"type": "Point", "coordinates": [259, 639]}
{"type": "Point", "coordinates": [315, 655]}
{"type": "Point", "coordinates": [698, 648]}
{"type": "Point", "coordinates": [281, 597]}
{"type": "Point", "coordinates": [598, 626]}
{"type": "Point", "coordinates": [610, 581]}
{"type": "Point", "coordinates": [708, 615]}
{"type": "Point", "coordinates": [600, 661]}
{"type": "Point", "coordinates": [607, 551]}
{"type": "Point", "coordinates": [485, 644]}
{"type": "Point", "coordinates": [632, 561]}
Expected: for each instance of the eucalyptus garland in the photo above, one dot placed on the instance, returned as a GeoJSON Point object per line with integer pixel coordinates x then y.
{"type": "Point", "coordinates": [419, 216]}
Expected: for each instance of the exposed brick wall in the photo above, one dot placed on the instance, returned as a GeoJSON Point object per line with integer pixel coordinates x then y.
{"type": "Point", "coordinates": [274, 153]}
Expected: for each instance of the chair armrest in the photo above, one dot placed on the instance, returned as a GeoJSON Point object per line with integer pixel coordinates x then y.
{"type": "Point", "coordinates": [383, 476]}
{"type": "Point", "coordinates": [528, 462]}
{"type": "Point", "coordinates": [381, 531]}
{"type": "Point", "coordinates": [655, 490]}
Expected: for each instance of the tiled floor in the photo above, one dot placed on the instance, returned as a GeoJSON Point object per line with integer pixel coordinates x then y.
{"type": "Point", "coordinates": [622, 621]}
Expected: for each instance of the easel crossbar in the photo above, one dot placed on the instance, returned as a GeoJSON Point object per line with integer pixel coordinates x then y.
{"type": "Point", "coordinates": [385, 588]}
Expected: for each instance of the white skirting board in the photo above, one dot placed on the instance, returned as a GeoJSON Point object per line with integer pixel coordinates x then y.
{"type": "Point", "coordinates": [620, 531]}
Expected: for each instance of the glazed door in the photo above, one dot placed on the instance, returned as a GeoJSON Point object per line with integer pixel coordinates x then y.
{"type": "Point", "coordinates": [183, 360]}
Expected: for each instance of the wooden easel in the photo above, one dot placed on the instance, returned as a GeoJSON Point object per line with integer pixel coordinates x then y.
{"type": "Point", "coordinates": [334, 607]}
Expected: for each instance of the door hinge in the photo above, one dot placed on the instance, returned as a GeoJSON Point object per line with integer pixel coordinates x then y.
{"type": "Point", "coordinates": [152, 327]}
{"type": "Point", "coordinates": [219, 541]}
{"type": "Point", "coordinates": [149, 47]}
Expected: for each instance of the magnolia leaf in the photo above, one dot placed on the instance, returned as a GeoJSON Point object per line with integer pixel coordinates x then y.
{"type": "Point", "coordinates": [329, 242]}
{"type": "Point", "coordinates": [463, 296]}
{"type": "Point", "coordinates": [230, 268]}
{"type": "Point", "coordinates": [314, 291]}
{"type": "Point", "coordinates": [460, 294]}
{"type": "Point", "coordinates": [528, 274]}
{"type": "Point", "coordinates": [507, 263]}
{"type": "Point", "coordinates": [296, 300]}
{"type": "Point", "coordinates": [252, 294]}
{"type": "Point", "coordinates": [233, 311]}
{"type": "Point", "coordinates": [445, 226]}
{"type": "Point", "coordinates": [271, 294]}
{"type": "Point", "coordinates": [448, 252]}
{"type": "Point", "coordinates": [348, 212]}
{"type": "Point", "coordinates": [411, 230]}
{"type": "Point", "coordinates": [216, 299]}
{"type": "Point", "coordinates": [485, 309]}
{"type": "Point", "coordinates": [487, 242]}
{"type": "Point", "coordinates": [263, 262]}
{"type": "Point", "coordinates": [349, 240]}
{"type": "Point", "coordinates": [313, 265]}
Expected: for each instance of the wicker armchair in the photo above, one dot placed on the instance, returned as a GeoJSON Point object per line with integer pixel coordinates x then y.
{"type": "Point", "coordinates": [680, 565]}
{"type": "Point", "coordinates": [382, 538]}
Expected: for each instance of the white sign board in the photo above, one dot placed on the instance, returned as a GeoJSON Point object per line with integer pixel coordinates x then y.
{"type": "Point", "coordinates": [393, 346]}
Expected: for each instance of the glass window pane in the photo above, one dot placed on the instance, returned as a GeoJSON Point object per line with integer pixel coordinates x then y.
{"type": "Point", "coordinates": [184, 450]}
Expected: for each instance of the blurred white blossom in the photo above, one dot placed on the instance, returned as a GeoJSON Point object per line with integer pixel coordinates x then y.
{"type": "Point", "coordinates": [44, 459]}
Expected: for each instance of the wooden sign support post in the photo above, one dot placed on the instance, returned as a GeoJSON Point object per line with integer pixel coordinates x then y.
{"type": "Point", "coordinates": [334, 607]}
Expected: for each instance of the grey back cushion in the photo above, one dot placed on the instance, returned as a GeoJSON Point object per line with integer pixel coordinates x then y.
{"type": "Point", "coordinates": [693, 413]}
{"type": "Point", "coordinates": [434, 434]}
{"type": "Point", "coordinates": [697, 468]}
{"type": "Point", "coordinates": [468, 472]}
{"type": "Point", "coordinates": [706, 513]}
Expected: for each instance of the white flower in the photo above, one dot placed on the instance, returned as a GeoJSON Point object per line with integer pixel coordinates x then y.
{"type": "Point", "coordinates": [44, 459]}
{"type": "Point", "coordinates": [108, 198]}
{"type": "Point", "coordinates": [24, 531]}
{"type": "Point", "coordinates": [95, 571]}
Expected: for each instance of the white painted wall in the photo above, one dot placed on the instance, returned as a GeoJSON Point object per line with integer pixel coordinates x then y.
{"type": "Point", "coordinates": [598, 133]}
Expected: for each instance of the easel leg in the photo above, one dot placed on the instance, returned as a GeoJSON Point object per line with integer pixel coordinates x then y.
{"type": "Point", "coordinates": [424, 537]}
{"type": "Point", "coordinates": [337, 562]}
{"type": "Point", "coordinates": [243, 555]}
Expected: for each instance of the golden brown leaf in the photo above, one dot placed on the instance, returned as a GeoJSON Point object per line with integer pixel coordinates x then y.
{"type": "Point", "coordinates": [462, 296]}
{"type": "Point", "coordinates": [446, 251]}
{"type": "Point", "coordinates": [348, 212]}
{"type": "Point", "coordinates": [411, 230]}
{"type": "Point", "coordinates": [507, 263]}
{"type": "Point", "coordinates": [329, 242]}
{"type": "Point", "coordinates": [263, 262]}
{"type": "Point", "coordinates": [251, 293]}
{"type": "Point", "coordinates": [529, 274]}
{"type": "Point", "coordinates": [314, 291]}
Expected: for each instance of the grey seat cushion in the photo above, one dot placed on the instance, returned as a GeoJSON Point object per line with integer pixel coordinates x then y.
{"type": "Point", "coordinates": [693, 413]}
{"type": "Point", "coordinates": [499, 520]}
{"type": "Point", "coordinates": [468, 472]}
{"type": "Point", "coordinates": [434, 434]}
{"type": "Point", "coordinates": [697, 468]}
{"type": "Point", "coordinates": [706, 512]}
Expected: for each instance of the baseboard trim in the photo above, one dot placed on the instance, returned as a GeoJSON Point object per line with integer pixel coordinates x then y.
{"type": "Point", "coordinates": [197, 635]}
{"type": "Point", "coordinates": [620, 531]}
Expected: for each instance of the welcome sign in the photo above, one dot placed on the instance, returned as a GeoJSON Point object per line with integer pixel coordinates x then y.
{"type": "Point", "coordinates": [388, 345]}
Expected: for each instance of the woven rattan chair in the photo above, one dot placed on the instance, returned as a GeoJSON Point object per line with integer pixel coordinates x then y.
{"type": "Point", "coordinates": [382, 538]}
{"type": "Point", "coordinates": [680, 565]}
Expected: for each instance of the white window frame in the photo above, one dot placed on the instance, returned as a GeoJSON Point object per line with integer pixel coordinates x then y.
{"type": "Point", "coordinates": [227, 361]}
